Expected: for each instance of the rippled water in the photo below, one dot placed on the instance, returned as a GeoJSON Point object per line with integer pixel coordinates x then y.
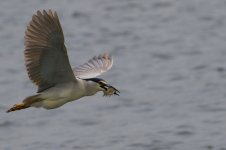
{"type": "Point", "coordinates": [170, 66]}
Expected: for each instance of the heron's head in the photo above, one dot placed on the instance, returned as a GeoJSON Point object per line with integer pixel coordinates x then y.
{"type": "Point", "coordinates": [102, 85]}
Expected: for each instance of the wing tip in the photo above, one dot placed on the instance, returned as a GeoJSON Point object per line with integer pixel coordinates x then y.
{"type": "Point", "coordinates": [45, 11]}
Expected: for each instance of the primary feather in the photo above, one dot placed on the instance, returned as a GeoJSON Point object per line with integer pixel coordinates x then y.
{"type": "Point", "coordinates": [45, 53]}
{"type": "Point", "coordinates": [94, 67]}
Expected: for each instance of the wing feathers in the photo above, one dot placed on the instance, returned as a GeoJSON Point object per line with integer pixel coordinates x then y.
{"type": "Point", "coordinates": [45, 54]}
{"type": "Point", "coordinates": [94, 67]}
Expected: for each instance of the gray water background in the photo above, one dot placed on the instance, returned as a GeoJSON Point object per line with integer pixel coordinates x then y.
{"type": "Point", "coordinates": [169, 64]}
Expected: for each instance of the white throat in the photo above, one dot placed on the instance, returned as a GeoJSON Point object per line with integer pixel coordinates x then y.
{"type": "Point", "coordinates": [91, 87]}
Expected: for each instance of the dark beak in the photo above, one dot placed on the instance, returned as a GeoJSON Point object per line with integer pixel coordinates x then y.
{"type": "Point", "coordinates": [116, 91]}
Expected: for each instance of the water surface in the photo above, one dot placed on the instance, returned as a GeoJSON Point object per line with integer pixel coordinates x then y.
{"type": "Point", "coordinates": [169, 64]}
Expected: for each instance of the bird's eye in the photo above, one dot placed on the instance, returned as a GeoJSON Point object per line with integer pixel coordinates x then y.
{"type": "Point", "coordinates": [103, 83]}
{"type": "Point", "coordinates": [103, 86]}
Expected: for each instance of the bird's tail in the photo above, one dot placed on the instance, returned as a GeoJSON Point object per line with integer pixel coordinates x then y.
{"type": "Point", "coordinates": [27, 102]}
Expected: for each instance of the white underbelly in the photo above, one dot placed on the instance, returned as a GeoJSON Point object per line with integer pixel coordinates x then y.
{"type": "Point", "coordinates": [59, 96]}
{"type": "Point", "coordinates": [51, 104]}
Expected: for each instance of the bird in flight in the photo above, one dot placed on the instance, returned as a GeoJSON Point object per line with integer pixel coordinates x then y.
{"type": "Point", "coordinates": [48, 67]}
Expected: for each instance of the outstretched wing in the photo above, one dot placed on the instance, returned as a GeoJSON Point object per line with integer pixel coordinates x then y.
{"type": "Point", "coordinates": [46, 57]}
{"type": "Point", "coordinates": [94, 67]}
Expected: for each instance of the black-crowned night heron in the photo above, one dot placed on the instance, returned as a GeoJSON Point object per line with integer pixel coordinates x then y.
{"type": "Point", "coordinates": [48, 67]}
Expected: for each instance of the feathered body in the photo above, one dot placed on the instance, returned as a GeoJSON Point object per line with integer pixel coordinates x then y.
{"type": "Point", "coordinates": [64, 93]}
{"type": "Point", "coordinates": [49, 68]}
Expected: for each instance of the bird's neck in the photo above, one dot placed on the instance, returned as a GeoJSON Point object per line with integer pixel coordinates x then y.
{"type": "Point", "coordinates": [91, 88]}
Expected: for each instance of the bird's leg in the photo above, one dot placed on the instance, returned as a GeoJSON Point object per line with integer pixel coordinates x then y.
{"type": "Point", "coordinates": [27, 102]}
{"type": "Point", "coordinates": [18, 107]}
